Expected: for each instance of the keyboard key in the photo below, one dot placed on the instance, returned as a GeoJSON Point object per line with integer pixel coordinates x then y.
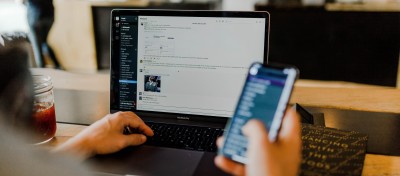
{"type": "Point", "coordinates": [184, 137]}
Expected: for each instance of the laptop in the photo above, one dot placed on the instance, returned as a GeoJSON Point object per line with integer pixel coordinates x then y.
{"type": "Point", "coordinates": [182, 73]}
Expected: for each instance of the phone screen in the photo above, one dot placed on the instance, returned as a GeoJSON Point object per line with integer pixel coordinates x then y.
{"type": "Point", "coordinates": [264, 96]}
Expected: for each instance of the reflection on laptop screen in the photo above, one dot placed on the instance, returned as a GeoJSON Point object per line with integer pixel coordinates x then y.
{"type": "Point", "coordinates": [185, 65]}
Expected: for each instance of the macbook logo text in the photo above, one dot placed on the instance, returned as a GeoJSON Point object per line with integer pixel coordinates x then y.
{"type": "Point", "coordinates": [183, 118]}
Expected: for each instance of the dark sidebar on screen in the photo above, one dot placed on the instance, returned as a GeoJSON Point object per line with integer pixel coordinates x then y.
{"type": "Point", "coordinates": [125, 35]}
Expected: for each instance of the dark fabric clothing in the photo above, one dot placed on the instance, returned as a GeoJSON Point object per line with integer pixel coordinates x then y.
{"type": "Point", "coordinates": [40, 19]}
{"type": "Point", "coordinates": [44, 8]}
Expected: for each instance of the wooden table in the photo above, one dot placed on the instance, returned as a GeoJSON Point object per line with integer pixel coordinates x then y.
{"type": "Point", "coordinates": [340, 95]}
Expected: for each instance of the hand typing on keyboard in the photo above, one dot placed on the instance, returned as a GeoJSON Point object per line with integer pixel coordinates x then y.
{"type": "Point", "coordinates": [107, 136]}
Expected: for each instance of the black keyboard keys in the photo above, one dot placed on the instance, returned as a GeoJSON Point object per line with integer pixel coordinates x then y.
{"type": "Point", "coordinates": [184, 137]}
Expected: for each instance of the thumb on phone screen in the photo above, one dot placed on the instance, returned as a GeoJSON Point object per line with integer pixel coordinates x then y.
{"type": "Point", "coordinates": [274, 158]}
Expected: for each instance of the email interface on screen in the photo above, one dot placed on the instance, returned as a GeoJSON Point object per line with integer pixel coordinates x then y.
{"type": "Point", "coordinates": [186, 65]}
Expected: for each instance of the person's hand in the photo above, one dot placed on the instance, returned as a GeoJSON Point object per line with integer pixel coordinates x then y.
{"type": "Point", "coordinates": [265, 158]}
{"type": "Point", "coordinates": [106, 136]}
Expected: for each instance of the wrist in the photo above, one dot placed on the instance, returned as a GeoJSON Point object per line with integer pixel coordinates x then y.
{"type": "Point", "coordinates": [77, 147]}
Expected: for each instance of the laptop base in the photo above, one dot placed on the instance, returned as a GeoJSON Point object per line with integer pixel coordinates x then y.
{"type": "Point", "coordinates": [149, 160]}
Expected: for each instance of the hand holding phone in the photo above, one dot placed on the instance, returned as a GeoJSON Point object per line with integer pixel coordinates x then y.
{"type": "Point", "coordinates": [264, 97]}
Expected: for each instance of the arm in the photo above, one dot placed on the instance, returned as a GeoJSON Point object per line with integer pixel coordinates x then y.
{"type": "Point", "coordinates": [106, 136]}
{"type": "Point", "coordinates": [281, 158]}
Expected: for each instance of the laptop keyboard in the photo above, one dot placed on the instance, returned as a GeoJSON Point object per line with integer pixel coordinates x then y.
{"type": "Point", "coordinates": [184, 137]}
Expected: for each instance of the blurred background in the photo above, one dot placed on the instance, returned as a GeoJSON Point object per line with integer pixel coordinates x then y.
{"type": "Point", "coordinates": [335, 40]}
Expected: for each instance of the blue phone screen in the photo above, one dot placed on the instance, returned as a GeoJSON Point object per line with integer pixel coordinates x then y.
{"type": "Point", "coordinates": [259, 99]}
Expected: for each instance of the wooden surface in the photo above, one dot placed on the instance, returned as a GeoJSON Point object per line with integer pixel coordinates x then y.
{"type": "Point", "coordinates": [392, 6]}
{"type": "Point", "coordinates": [341, 95]}
{"type": "Point", "coordinates": [366, 99]}
{"type": "Point", "coordinates": [76, 81]}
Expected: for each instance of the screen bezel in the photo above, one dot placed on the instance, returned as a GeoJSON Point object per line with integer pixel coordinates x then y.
{"type": "Point", "coordinates": [115, 59]}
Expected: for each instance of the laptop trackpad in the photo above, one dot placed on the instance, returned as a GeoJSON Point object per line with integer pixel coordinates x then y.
{"type": "Point", "coordinates": [147, 160]}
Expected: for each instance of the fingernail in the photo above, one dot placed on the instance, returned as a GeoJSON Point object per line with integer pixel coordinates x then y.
{"type": "Point", "coordinates": [217, 160]}
{"type": "Point", "coordinates": [143, 137]}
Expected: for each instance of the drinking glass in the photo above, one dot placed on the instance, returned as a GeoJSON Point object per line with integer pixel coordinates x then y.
{"type": "Point", "coordinates": [43, 115]}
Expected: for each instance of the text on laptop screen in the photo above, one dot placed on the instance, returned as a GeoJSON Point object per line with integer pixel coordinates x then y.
{"type": "Point", "coordinates": [186, 65]}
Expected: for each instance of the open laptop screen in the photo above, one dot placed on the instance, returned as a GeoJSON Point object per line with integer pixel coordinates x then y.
{"type": "Point", "coordinates": [183, 62]}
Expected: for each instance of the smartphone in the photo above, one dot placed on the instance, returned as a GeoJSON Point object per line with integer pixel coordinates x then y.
{"type": "Point", "coordinates": [265, 96]}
